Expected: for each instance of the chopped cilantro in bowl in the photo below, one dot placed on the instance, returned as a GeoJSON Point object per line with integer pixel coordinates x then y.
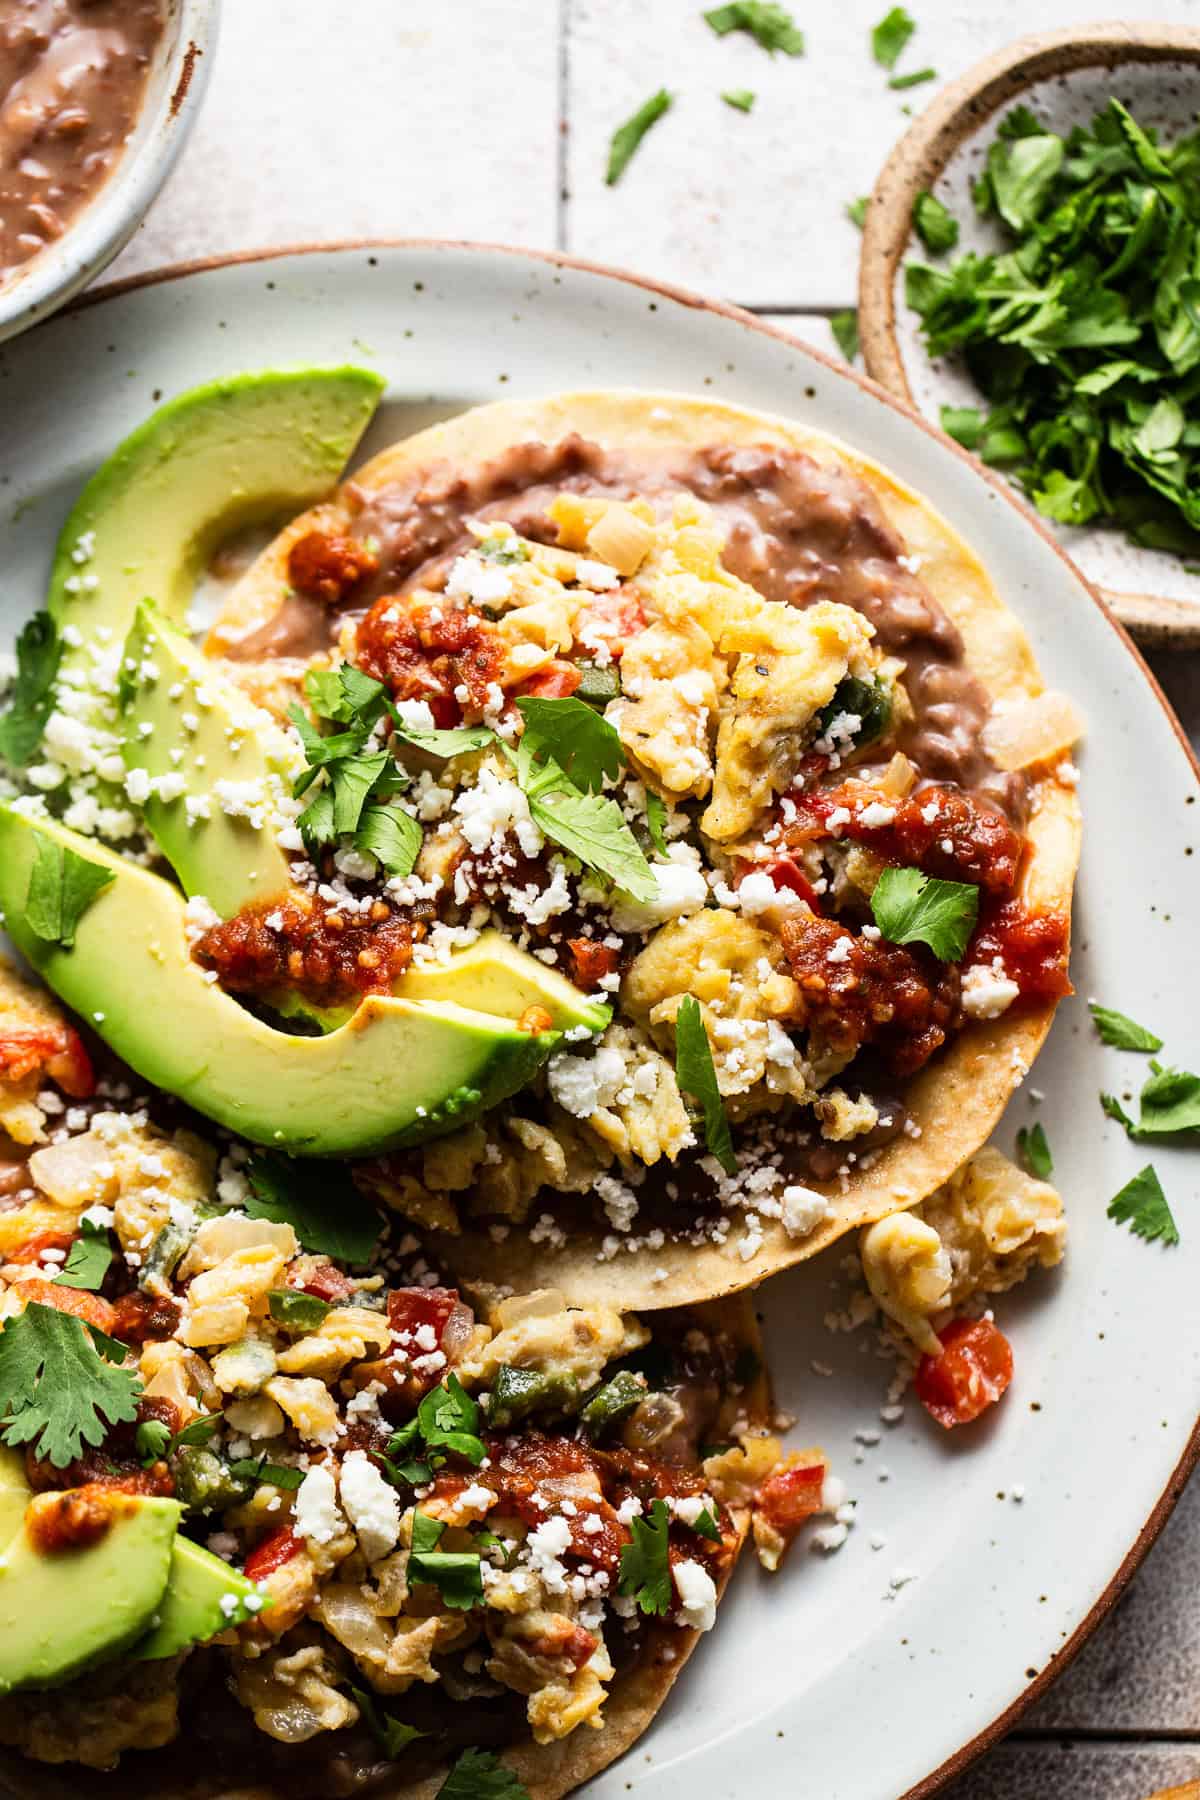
{"type": "Point", "coordinates": [1082, 330]}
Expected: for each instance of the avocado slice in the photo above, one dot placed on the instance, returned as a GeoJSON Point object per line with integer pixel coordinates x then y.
{"type": "Point", "coordinates": [231, 860]}
{"type": "Point", "coordinates": [495, 976]}
{"type": "Point", "coordinates": [15, 1492]}
{"type": "Point", "coordinates": [231, 453]}
{"type": "Point", "coordinates": [398, 1072]}
{"type": "Point", "coordinates": [64, 1609]}
{"type": "Point", "coordinates": [196, 1604]}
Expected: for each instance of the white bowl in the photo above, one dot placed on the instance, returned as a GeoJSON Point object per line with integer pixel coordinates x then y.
{"type": "Point", "coordinates": [104, 226]}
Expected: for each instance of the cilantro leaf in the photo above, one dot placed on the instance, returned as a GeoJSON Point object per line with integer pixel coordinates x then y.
{"type": "Point", "coordinates": [627, 137]}
{"type": "Point", "coordinates": [914, 79]}
{"type": "Point", "coordinates": [353, 777]}
{"type": "Point", "coordinates": [856, 210]}
{"type": "Point", "coordinates": [318, 1200]}
{"type": "Point", "coordinates": [589, 826]}
{"type": "Point", "coordinates": [645, 1567]}
{"type": "Point", "coordinates": [392, 835]}
{"type": "Point", "coordinates": [1122, 1032]}
{"type": "Point", "coordinates": [392, 1735]}
{"type": "Point", "coordinates": [480, 1775]}
{"type": "Point", "coordinates": [447, 1416]}
{"type": "Point", "coordinates": [199, 1431]}
{"type": "Point", "coordinates": [935, 227]}
{"type": "Point", "coordinates": [706, 1527]}
{"type": "Point", "coordinates": [656, 820]}
{"type": "Point", "coordinates": [1034, 1150]}
{"type": "Point", "coordinates": [844, 326]}
{"type": "Point", "coordinates": [31, 701]}
{"type": "Point", "coordinates": [891, 35]}
{"type": "Point", "coordinates": [456, 742]}
{"type": "Point", "coordinates": [1112, 1109]}
{"type": "Point", "coordinates": [315, 823]}
{"type": "Point", "coordinates": [1170, 1102]}
{"type": "Point", "coordinates": [741, 99]}
{"type": "Point", "coordinates": [62, 885]}
{"type": "Point", "coordinates": [696, 1076]}
{"type": "Point", "coordinates": [1142, 1204]}
{"type": "Point", "coordinates": [152, 1440]}
{"type": "Point", "coordinates": [579, 739]}
{"type": "Point", "coordinates": [59, 1388]}
{"type": "Point", "coordinates": [455, 1575]}
{"type": "Point", "coordinates": [87, 1259]}
{"type": "Point", "coordinates": [912, 908]}
{"type": "Point", "coordinates": [257, 1468]}
{"type": "Point", "coordinates": [768, 24]}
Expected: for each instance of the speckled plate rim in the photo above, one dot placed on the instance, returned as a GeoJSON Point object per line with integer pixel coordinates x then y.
{"type": "Point", "coordinates": [921, 157]}
{"type": "Point", "coordinates": [960, 1760]}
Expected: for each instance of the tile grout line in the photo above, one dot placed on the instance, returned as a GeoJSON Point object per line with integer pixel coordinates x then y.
{"type": "Point", "coordinates": [561, 199]}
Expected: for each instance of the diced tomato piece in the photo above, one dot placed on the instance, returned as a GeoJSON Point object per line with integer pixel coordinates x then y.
{"type": "Point", "coordinates": [591, 961]}
{"type": "Point", "coordinates": [30, 1249]}
{"type": "Point", "coordinates": [609, 619]}
{"type": "Point", "coordinates": [791, 1495]}
{"type": "Point", "coordinates": [141, 1318]}
{"type": "Point", "coordinates": [58, 1050]}
{"type": "Point", "coordinates": [272, 1553]}
{"type": "Point", "coordinates": [89, 1307]}
{"type": "Point", "coordinates": [554, 682]}
{"type": "Point", "coordinates": [410, 1308]}
{"type": "Point", "coordinates": [1033, 947]}
{"type": "Point", "coordinates": [325, 1282]}
{"type": "Point", "coordinates": [973, 1370]}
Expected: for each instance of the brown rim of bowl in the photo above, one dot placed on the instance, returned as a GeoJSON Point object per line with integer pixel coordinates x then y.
{"type": "Point", "coordinates": [955, 1765]}
{"type": "Point", "coordinates": [921, 157]}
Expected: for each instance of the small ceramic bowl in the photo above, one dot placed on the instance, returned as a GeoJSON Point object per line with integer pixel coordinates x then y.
{"type": "Point", "coordinates": [1065, 76]}
{"type": "Point", "coordinates": [105, 225]}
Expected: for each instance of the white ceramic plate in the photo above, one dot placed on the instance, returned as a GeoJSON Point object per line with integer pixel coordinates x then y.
{"type": "Point", "coordinates": [824, 1680]}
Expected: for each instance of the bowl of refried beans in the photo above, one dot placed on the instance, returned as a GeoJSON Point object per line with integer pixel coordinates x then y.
{"type": "Point", "coordinates": [96, 99]}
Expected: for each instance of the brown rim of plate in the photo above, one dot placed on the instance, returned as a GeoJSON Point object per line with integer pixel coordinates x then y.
{"type": "Point", "coordinates": [921, 157]}
{"type": "Point", "coordinates": [1189, 1791]}
{"type": "Point", "coordinates": [955, 1765]}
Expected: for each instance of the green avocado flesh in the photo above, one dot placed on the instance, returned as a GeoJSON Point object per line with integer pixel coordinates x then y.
{"type": "Point", "coordinates": [397, 1072]}
{"type": "Point", "coordinates": [191, 1610]}
{"type": "Point", "coordinates": [62, 1610]}
{"type": "Point", "coordinates": [180, 717]}
{"type": "Point", "coordinates": [230, 454]}
{"type": "Point", "coordinates": [497, 977]}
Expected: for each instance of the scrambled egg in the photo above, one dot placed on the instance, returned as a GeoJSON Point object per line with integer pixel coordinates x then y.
{"type": "Point", "coordinates": [981, 1233]}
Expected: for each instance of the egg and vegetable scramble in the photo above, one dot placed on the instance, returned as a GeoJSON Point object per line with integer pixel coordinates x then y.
{"type": "Point", "coordinates": [629, 864]}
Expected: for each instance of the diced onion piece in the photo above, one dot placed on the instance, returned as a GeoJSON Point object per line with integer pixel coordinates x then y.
{"type": "Point", "coordinates": [621, 539]}
{"type": "Point", "coordinates": [899, 778]}
{"type": "Point", "coordinates": [1032, 731]}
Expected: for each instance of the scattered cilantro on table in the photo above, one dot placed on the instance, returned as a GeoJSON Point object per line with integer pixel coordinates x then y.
{"type": "Point", "coordinates": [912, 80]}
{"type": "Point", "coordinates": [856, 210]}
{"type": "Point", "coordinates": [741, 99]}
{"type": "Point", "coordinates": [1084, 333]}
{"type": "Point", "coordinates": [480, 1775]}
{"type": "Point", "coordinates": [912, 908]}
{"type": "Point", "coordinates": [62, 885]}
{"type": "Point", "coordinates": [696, 1076]}
{"type": "Point", "coordinates": [87, 1259]}
{"type": "Point", "coordinates": [1122, 1032]}
{"type": "Point", "coordinates": [935, 227]}
{"type": "Point", "coordinates": [61, 1384]}
{"type": "Point", "coordinates": [770, 25]}
{"type": "Point", "coordinates": [1142, 1205]}
{"type": "Point", "coordinates": [844, 326]}
{"type": "Point", "coordinates": [31, 699]}
{"type": "Point", "coordinates": [645, 1564]}
{"type": "Point", "coordinates": [890, 36]}
{"type": "Point", "coordinates": [1170, 1102]}
{"type": "Point", "coordinates": [1033, 1147]}
{"type": "Point", "coordinates": [627, 137]}
{"type": "Point", "coordinates": [318, 1200]}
